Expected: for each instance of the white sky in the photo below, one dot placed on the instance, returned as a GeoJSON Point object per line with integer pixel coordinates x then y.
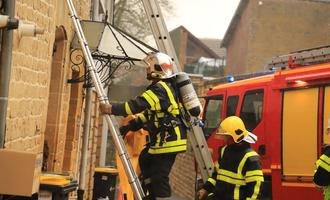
{"type": "Point", "coordinates": [203, 18]}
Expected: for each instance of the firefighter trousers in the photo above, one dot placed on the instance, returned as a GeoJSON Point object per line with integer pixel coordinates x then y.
{"type": "Point", "coordinates": [155, 170]}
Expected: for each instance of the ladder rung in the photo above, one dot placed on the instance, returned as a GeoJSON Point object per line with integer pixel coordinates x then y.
{"type": "Point", "coordinates": [302, 58]}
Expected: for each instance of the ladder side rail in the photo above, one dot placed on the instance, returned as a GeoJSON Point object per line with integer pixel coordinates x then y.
{"type": "Point", "coordinates": [202, 152]}
{"type": "Point", "coordinates": [305, 57]}
{"type": "Point", "coordinates": [132, 177]}
{"type": "Point", "coordinates": [164, 44]}
{"type": "Point", "coordinates": [159, 29]}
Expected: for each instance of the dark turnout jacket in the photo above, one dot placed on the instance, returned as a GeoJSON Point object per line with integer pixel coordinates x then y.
{"type": "Point", "coordinates": [157, 112]}
{"type": "Point", "coordinates": [237, 174]}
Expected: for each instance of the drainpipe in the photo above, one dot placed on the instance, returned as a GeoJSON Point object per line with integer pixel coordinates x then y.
{"type": "Point", "coordinates": [104, 131]}
{"type": "Point", "coordinates": [86, 129]}
{"type": "Point", "coordinates": [84, 148]}
{"type": "Point", "coordinates": [5, 68]}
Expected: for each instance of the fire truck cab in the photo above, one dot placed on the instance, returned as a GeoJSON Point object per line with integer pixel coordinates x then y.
{"type": "Point", "coordinates": [289, 111]}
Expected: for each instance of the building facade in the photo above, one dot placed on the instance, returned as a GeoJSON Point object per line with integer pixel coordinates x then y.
{"type": "Point", "coordinates": [44, 113]}
{"type": "Point", "coordinates": [195, 56]}
{"type": "Point", "coordinates": [260, 30]}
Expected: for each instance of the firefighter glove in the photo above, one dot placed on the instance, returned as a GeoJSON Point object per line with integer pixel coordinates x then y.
{"type": "Point", "coordinates": [202, 194]}
{"type": "Point", "coordinates": [124, 130]}
{"type": "Point", "coordinates": [105, 108]}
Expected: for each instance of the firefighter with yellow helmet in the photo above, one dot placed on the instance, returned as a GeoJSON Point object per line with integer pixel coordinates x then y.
{"type": "Point", "coordinates": [237, 173]}
{"type": "Point", "coordinates": [322, 172]}
{"type": "Point", "coordinates": [158, 112]}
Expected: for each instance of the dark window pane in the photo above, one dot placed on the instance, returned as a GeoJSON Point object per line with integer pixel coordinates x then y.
{"type": "Point", "coordinates": [231, 105]}
{"type": "Point", "coordinates": [251, 111]}
{"type": "Point", "coordinates": [212, 115]}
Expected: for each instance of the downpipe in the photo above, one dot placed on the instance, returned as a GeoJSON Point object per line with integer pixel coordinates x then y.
{"type": "Point", "coordinates": [5, 67]}
{"type": "Point", "coordinates": [84, 148]}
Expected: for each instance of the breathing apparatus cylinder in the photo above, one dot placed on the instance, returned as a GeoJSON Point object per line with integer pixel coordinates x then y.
{"type": "Point", "coordinates": [187, 94]}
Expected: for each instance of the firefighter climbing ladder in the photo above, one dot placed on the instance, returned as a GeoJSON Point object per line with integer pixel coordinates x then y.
{"type": "Point", "coordinates": [120, 146]}
{"type": "Point", "coordinates": [164, 43]}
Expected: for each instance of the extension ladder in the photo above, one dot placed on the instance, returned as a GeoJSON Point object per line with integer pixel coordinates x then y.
{"type": "Point", "coordinates": [118, 140]}
{"type": "Point", "coordinates": [164, 43]}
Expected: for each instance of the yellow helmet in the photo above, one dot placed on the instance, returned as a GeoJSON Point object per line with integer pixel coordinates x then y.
{"type": "Point", "coordinates": [235, 127]}
{"type": "Point", "coordinates": [161, 65]}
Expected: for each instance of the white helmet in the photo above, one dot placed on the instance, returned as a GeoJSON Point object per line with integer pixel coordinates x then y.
{"type": "Point", "coordinates": [161, 65]}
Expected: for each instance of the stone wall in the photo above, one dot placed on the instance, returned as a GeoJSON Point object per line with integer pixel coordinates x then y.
{"type": "Point", "coordinates": [42, 106]}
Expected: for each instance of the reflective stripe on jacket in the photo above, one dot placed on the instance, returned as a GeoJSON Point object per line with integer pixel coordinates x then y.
{"type": "Point", "coordinates": [158, 111]}
{"type": "Point", "coordinates": [327, 193]}
{"type": "Point", "coordinates": [322, 173]}
{"type": "Point", "coordinates": [237, 174]}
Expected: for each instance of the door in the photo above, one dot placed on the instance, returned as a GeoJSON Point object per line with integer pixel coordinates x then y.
{"type": "Point", "coordinates": [299, 132]}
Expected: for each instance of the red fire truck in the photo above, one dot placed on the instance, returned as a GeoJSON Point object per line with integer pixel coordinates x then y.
{"type": "Point", "coordinates": [289, 111]}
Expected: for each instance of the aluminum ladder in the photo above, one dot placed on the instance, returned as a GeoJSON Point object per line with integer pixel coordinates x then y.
{"type": "Point", "coordinates": [118, 140]}
{"type": "Point", "coordinates": [164, 44]}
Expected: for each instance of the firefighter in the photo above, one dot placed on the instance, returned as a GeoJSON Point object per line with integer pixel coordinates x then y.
{"type": "Point", "coordinates": [322, 173]}
{"type": "Point", "coordinates": [157, 112]}
{"type": "Point", "coordinates": [237, 173]}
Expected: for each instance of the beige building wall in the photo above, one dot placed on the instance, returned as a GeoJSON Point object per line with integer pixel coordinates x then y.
{"type": "Point", "coordinates": [236, 51]}
{"type": "Point", "coordinates": [275, 27]}
{"type": "Point", "coordinates": [179, 39]}
{"type": "Point", "coordinates": [42, 106]}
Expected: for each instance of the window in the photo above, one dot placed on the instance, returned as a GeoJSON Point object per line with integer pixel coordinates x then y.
{"type": "Point", "coordinates": [251, 111]}
{"type": "Point", "coordinates": [231, 105]}
{"type": "Point", "coordinates": [212, 115]}
{"type": "Point", "coordinates": [212, 67]}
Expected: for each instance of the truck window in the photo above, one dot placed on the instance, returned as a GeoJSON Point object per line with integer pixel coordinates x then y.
{"type": "Point", "coordinates": [326, 117]}
{"type": "Point", "coordinates": [212, 114]}
{"type": "Point", "coordinates": [299, 132]}
{"type": "Point", "coordinates": [231, 105]}
{"type": "Point", "coordinates": [251, 111]}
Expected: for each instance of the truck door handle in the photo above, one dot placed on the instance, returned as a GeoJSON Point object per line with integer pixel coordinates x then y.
{"type": "Point", "coordinates": [262, 149]}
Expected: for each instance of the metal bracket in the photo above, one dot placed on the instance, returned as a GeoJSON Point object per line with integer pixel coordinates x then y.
{"type": "Point", "coordinates": [107, 67]}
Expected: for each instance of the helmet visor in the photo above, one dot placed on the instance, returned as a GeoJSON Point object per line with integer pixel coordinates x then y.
{"type": "Point", "coordinates": [251, 138]}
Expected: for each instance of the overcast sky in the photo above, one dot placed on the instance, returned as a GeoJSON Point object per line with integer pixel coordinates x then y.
{"type": "Point", "coordinates": [203, 18]}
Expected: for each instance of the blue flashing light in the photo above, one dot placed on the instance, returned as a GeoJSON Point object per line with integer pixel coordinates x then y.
{"type": "Point", "coordinates": [230, 79]}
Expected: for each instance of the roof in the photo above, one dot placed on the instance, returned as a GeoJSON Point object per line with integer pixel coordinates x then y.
{"type": "Point", "coordinates": [197, 41]}
{"type": "Point", "coordinates": [214, 45]}
{"type": "Point", "coordinates": [234, 22]}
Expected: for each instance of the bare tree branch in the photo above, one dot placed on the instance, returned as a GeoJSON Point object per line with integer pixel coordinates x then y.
{"type": "Point", "coordinates": [130, 16]}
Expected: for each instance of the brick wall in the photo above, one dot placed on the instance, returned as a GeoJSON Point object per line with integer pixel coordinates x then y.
{"type": "Point", "coordinates": [236, 51]}
{"type": "Point", "coordinates": [41, 105]}
{"type": "Point", "coordinates": [29, 84]}
{"type": "Point", "coordinates": [183, 174]}
{"type": "Point", "coordinates": [275, 28]}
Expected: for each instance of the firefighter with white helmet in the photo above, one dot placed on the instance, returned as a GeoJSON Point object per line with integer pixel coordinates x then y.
{"type": "Point", "coordinates": [237, 172]}
{"type": "Point", "coordinates": [160, 66]}
{"type": "Point", "coordinates": [158, 112]}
